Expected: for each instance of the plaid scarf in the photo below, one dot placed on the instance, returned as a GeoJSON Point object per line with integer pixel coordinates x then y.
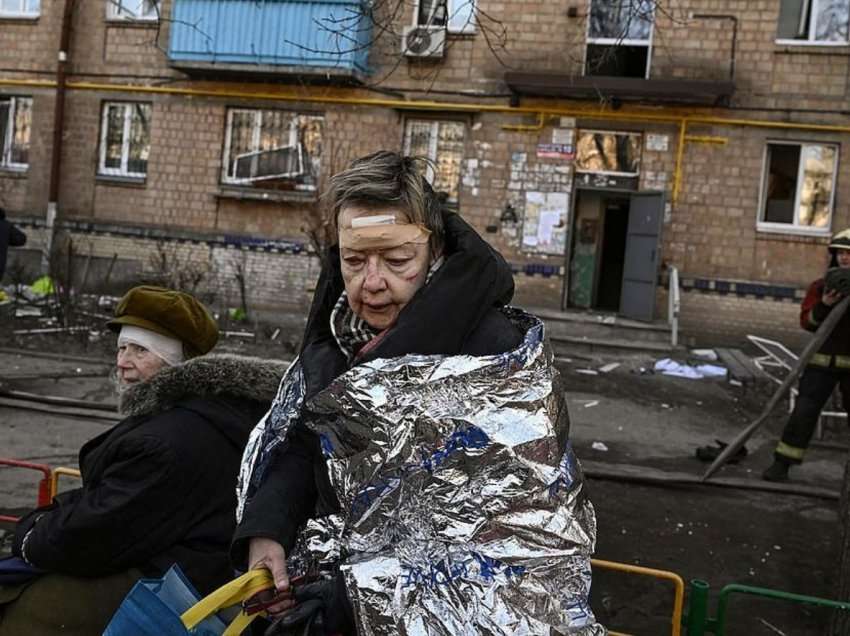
{"type": "Point", "coordinates": [350, 330]}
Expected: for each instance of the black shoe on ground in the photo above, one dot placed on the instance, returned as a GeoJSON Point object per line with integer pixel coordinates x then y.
{"type": "Point", "coordinates": [778, 471]}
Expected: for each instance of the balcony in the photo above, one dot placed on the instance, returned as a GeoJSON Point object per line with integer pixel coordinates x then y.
{"type": "Point", "coordinates": [321, 39]}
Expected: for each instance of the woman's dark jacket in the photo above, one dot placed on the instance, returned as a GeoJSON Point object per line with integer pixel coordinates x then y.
{"type": "Point", "coordinates": [455, 313]}
{"type": "Point", "coordinates": [159, 487]}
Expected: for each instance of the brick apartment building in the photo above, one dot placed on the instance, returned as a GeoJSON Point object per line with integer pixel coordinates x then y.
{"type": "Point", "coordinates": [596, 143]}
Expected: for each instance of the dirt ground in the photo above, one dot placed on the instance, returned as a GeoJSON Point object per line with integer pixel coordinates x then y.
{"type": "Point", "coordinates": [644, 421]}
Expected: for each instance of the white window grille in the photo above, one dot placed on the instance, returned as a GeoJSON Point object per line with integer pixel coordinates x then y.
{"type": "Point", "coordinates": [442, 142]}
{"type": "Point", "coordinates": [821, 22]}
{"type": "Point", "coordinates": [15, 127]}
{"type": "Point", "coordinates": [20, 8]}
{"type": "Point", "coordinates": [272, 149]}
{"type": "Point", "coordinates": [619, 38]}
{"type": "Point", "coordinates": [132, 9]}
{"type": "Point", "coordinates": [125, 140]}
{"type": "Point", "coordinates": [457, 16]}
{"type": "Point", "coordinates": [798, 187]}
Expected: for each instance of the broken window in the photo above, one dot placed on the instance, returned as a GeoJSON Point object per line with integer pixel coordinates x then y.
{"type": "Point", "coordinates": [608, 152]}
{"type": "Point", "coordinates": [125, 139]}
{"type": "Point", "coordinates": [458, 16]}
{"type": "Point", "coordinates": [20, 8]}
{"type": "Point", "coordinates": [442, 143]}
{"type": "Point", "coordinates": [798, 186]}
{"type": "Point", "coordinates": [15, 125]}
{"type": "Point", "coordinates": [815, 21]}
{"type": "Point", "coordinates": [132, 9]}
{"type": "Point", "coordinates": [619, 38]}
{"type": "Point", "coordinates": [273, 149]}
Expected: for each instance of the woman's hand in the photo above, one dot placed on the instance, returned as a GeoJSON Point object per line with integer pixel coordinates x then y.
{"type": "Point", "coordinates": [269, 554]}
{"type": "Point", "coordinates": [830, 297]}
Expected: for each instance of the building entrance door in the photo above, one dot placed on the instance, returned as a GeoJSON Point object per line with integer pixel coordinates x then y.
{"type": "Point", "coordinates": [614, 252]}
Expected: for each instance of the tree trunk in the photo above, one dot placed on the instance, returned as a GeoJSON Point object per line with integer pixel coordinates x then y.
{"type": "Point", "coordinates": [840, 625]}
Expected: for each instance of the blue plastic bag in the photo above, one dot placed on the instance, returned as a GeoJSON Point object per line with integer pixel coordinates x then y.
{"type": "Point", "coordinates": [14, 571]}
{"type": "Point", "coordinates": [153, 608]}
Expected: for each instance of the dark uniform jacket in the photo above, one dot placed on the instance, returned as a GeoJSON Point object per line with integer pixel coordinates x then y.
{"type": "Point", "coordinates": [813, 312]}
{"type": "Point", "coordinates": [159, 487]}
{"type": "Point", "coordinates": [455, 313]}
{"type": "Point", "coordinates": [9, 235]}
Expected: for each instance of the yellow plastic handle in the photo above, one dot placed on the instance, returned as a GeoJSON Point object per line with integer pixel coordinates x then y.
{"type": "Point", "coordinates": [229, 594]}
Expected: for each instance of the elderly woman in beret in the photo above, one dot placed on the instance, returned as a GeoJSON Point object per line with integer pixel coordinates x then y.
{"type": "Point", "coordinates": [157, 488]}
{"type": "Point", "coordinates": [414, 466]}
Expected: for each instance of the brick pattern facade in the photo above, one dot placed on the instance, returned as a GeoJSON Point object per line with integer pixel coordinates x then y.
{"type": "Point", "coordinates": [709, 233]}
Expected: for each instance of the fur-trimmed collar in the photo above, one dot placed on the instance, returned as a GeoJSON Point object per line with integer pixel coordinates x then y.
{"type": "Point", "coordinates": [206, 376]}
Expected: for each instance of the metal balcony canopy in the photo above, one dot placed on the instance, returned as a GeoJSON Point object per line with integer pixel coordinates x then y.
{"type": "Point", "coordinates": [306, 38]}
{"type": "Point", "coordinates": [678, 91]}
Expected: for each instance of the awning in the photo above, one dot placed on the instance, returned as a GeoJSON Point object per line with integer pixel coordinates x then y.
{"type": "Point", "coordinates": [678, 91]}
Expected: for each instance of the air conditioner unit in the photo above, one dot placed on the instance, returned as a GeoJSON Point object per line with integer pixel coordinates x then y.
{"type": "Point", "coordinates": [423, 41]}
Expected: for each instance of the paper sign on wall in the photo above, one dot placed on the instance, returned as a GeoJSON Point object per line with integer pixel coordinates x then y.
{"type": "Point", "coordinates": [545, 223]}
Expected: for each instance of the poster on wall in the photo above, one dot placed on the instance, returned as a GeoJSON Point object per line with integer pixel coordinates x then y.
{"type": "Point", "coordinates": [544, 226]}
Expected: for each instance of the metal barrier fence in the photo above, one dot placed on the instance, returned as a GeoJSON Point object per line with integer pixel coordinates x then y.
{"type": "Point", "coordinates": [43, 496]}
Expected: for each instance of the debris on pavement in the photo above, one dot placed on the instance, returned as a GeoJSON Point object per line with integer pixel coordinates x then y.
{"type": "Point", "coordinates": [607, 368]}
{"type": "Point", "coordinates": [599, 446]}
{"type": "Point", "coordinates": [587, 371]}
{"type": "Point", "coordinates": [667, 366]}
{"type": "Point", "coordinates": [592, 403]}
{"type": "Point", "coordinates": [705, 354]}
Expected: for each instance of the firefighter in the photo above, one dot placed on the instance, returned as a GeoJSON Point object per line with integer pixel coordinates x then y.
{"type": "Point", "coordinates": [828, 367]}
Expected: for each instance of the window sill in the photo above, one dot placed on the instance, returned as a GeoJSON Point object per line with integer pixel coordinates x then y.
{"type": "Point", "coordinates": [791, 47]}
{"type": "Point", "coordinates": [280, 196]}
{"type": "Point", "coordinates": [18, 19]}
{"type": "Point", "coordinates": [137, 23]}
{"type": "Point", "coordinates": [773, 233]}
{"type": "Point", "coordinates": [13, 173]}
{"type": "Point", "coordinates": [122, 182]}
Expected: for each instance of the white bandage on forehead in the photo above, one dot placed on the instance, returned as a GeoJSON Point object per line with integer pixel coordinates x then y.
{"type": "Point", "coordinates": [381, 232]}
{"type": "Point", "coordinates": [169, 349]}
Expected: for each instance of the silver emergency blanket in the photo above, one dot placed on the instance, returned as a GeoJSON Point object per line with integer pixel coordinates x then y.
{"type": "Point", "coordinates": [463, 504]}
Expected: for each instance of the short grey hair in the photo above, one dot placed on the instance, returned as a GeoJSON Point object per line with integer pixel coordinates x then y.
{"type": "Point", "coordinates": [385, 179]}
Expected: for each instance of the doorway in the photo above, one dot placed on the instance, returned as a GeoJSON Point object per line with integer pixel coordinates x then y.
{"type": "Point", "coordinates": [599, 249]}
{"type": "Point", "coordinates": [614, 252]}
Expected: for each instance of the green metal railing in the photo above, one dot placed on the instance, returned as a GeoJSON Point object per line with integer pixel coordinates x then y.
{"type": "Point", "coordinates": [697, 620]}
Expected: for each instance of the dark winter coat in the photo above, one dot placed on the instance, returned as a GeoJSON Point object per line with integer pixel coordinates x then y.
{"type": "Point", "coordinates": [455, 313]}
{"type": "Point", "coordinates": [9, 236]}
{"type": "Point", "coordinates": [159, 487]}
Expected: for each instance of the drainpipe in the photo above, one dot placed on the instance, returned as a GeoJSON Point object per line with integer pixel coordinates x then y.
{"type": "Point", "coordinates": [58, 125]}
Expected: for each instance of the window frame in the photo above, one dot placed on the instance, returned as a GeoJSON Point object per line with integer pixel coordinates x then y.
{"type": "Point", "coordinates": [812, 26]}
{"type": "Point", "coordinates": [649, 42]}
{"type": "Point", "coordinates": [433, 142]}
{"type": "Point", "coordinates": [256, 183]}
{"type": "Point", "coordinates": [23, 14]}
{"type": "Point", "coordinates": [794, 228]}
{"type": "Point", "coordinates": [611, 173]}
{"type": "Point", "coordinates": [469, 27]}
{"type": "Point", "coordinates": [114, 12]}
{"type": "Point", "coordinates": [121, 172]}
{"type": "Point", "coordinates": [6, 142]}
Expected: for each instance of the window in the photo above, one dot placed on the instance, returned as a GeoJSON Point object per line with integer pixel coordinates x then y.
{"type": "Point", "coordinates": [798, 187]}
{"type": "Point", "coordinates": [132, 9]}
{"type": "Point", "coordinates": [813, 21]}
{"type": "Point", "coordinates": [619, 38]}
{"type": "Point", "coordinates": [20, 8]}
{"type": "Point", "coordinates": [608, 152]}
{"type": "Point", "coordinates": [272, 149]}
{"type": "Point", "coordinates": [458, 16]}
{"type": "Point", "coordinates": [442, 143]}
{"type": "Point", "coordinates": [15, 125]}
{"type": "Point", "coordinates": [125, 140]}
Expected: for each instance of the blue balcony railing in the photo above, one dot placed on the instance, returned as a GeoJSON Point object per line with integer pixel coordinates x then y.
{"type": "Point", "coordinates": [317, 34]}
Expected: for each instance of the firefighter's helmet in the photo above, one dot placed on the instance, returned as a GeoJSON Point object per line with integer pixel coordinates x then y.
{"type": "Point", "coordinates": [840, 241]}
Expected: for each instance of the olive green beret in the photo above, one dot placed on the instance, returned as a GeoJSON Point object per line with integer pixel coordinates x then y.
{"type": "Point", "coordinates": [170, 313]}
